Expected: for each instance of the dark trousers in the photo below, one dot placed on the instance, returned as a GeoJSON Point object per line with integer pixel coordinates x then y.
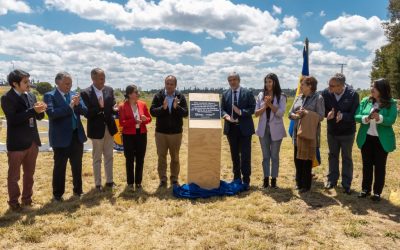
{"type": "Point", "coordinates": [134, 150]}
{"type": "Point", "coordinates": [74, 153]}
{"type": "Point", "coordinates": [240, 153]}
{"type": "Point", "coordinates": [26, 158]}
{"type": "Point", "coordinates": [374, 160]}
{"type": "Point", "coordinates": [343, 143]}
{"type": "Point", "coordinates": [303, 172]}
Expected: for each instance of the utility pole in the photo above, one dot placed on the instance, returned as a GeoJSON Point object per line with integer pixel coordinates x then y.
{"type": "Point", "coordinates": [341, 67]}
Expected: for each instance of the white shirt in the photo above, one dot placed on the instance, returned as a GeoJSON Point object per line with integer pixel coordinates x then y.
{"type": "Point", "coordinates": [99, 92]}
{"type": "Point", "coordinates": [372, 123]}
{"type": "Point", "coordinates": [136, 115]}
{"type": "Point", "coordinates": [338, 96]}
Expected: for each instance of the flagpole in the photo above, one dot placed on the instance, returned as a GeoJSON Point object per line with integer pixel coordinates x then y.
{"type": "Point", "coordinates": [306, 44]}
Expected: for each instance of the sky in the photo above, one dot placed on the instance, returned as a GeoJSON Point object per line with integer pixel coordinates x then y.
{"type": "Point", "coordinates": [200, 42]}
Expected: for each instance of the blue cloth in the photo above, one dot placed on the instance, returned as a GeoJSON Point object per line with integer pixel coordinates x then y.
{"type": "Point", "coordinates": [170, 99]}
{"type": "Point", "coordinates": [193, 191]}
{"type": "Point", "coordinates": [304, 72]}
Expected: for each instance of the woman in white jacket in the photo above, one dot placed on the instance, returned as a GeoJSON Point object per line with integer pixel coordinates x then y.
{"type": "Point", "coordinates": [270, 107]}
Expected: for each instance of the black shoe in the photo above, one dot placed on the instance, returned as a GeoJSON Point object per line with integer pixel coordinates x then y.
{"type": "Point", "coordinates": [273, 183]}
{"type": "Point", "coordinates": [266, 182]}
{"type": "Point", "coordinates": [57, 199]}
{"type": "Point", "coordinates": [175, 183]}
{"type": "Point", "coordinates": [297, 187]}
{"type": "Point", "coordinates": [15, 207]}
{"type": "Point", "coordinates": [111, 184]}
{"type": "Point", "coordinates": [246, 186]}
{"type": "Point", "coordinates": [99, 188]}
{"type": "Point", "coordinates": [347, 190]}
{"type": "Point", "coordinates": [163, 184]}
{"type": "Point", "coordinates": [138, 186]}
{"type": "Point", "coordinates": [376, 197]}
{"type": "Point", "coordinates": [130, 186]}
{"type": "Point", "coordinates": [364, 194]}
{"type": "Point", "coordinates": [78, 195]}
{"type": "Point", "coordinates": [304, 190]}
{"type": "Point", "coordinates": [329, 185]}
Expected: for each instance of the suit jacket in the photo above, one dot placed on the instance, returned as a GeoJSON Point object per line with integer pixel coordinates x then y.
{"type": "Point", "coordinates": [127, 120]}
{"type": "Point", "coordinates": [385, 129]}
{"type": "Point", "coordinates": [99, 118]}
{"type": "Point", "coordinates": [275, 120]}
{"type": "Point", "coordinates": [60, 119]}
{"type": "Point", "coordinates": [19, 133]}
{"type": "Point", "coordinates": [246, 104]}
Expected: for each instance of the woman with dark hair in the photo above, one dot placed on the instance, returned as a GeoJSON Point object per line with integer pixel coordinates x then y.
{"type": "Point", "coordinates": [376, 114]}
{"type": "Point", "coordinates": [133, 117]}
{"type": "Point", "coordinates": [270, 107]}
{"type": "Point", "coordinates": [308, 111]}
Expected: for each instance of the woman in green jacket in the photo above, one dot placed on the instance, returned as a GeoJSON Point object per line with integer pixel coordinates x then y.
{"type": "Point", "coordinates": [376, 138]}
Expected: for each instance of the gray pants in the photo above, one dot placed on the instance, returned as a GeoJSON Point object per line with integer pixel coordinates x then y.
{"type": "Point", "coordinates": [270, 150]}
{"type": "Point", "coordinates": [102, 147]}
{"type": "Point", "coordinates": [337, 144]}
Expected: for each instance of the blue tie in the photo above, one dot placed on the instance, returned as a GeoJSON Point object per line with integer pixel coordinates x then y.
{"type": "Point", "coordinates": [68, 100]}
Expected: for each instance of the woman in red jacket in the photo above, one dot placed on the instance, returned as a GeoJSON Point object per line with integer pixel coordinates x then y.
{"type": "Point", "coordinates": [133, 117]}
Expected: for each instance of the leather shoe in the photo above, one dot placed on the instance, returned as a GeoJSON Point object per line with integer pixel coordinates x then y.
{"type": "Point", "coordinates": [329, 185]}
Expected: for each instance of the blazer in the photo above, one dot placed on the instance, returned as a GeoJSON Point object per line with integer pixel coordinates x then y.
{"type": "Point", "coordinates": [385, 129]}
{"type": "Point", "coordinates": [99, 118]}
{"type": "Point", "coordinates": [275, 120]}
{"type": "Point", "coordinates": [127, 120]}
{"type": "Point", "coordinates": [166, 122]}
{"type": "Point", "coordinates": [246, 104]}
{"type": "Point", "coordinates": [19, 133]}
{"type": "Point", "coordinates": [60, 119]}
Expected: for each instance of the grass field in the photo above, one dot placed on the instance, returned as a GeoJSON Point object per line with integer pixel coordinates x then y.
{"type": "Point", "coordinates": [155, 219]}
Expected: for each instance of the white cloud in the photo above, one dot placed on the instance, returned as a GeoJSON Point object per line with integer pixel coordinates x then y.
{"type": "Point", "coordinates": [216, 17]}
{"type": "Point", "coordinates": [290, 22]}
{"type": "Point", "coordinates": [309, 13]}
{"type": "Point", "coordinates": [346, 32]}
{"type": "Point", "coordinates": [160, 47]}
{"type": "Point", "coordinates": [322, 13]}
{"type": "Point", "coordinates": [13, 5]}
{"type": "Point", "coordinates": [276, 10]}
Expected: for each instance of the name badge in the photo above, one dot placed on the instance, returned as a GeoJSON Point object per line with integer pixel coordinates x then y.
{"type": "Point", "coordinates": [31, 123]}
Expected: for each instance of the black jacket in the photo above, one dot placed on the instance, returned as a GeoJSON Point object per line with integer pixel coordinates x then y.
{"type": "Point", "coordinates": [347, 105]}
{"type": "Point", "coordinates": [169, 123]}
{"type": "Point", "coordinates": [19, 134]}
{"type": "Point", "coordinates": [98, 118]}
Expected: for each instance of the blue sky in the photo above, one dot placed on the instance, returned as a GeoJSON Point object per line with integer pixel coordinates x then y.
{"type": "Point", "coordinates": [138, 41]}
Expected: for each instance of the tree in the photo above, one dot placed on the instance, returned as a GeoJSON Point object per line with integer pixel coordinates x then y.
{"type": "Point", "coordinates": [387, 59]}
{"type": "Point", "coordinates": [43, 87]}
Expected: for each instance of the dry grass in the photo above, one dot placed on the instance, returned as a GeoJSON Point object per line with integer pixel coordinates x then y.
{"type": "Point", "coordinates": [154, 219]}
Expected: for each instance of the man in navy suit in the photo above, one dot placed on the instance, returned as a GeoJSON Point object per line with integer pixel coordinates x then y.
{"type": "Point", "coordinates": [237, 107]}
{"type": "Point", "coordinates": [66, 133]}
{"type": "Point", "coordinates": [21, 110]}
{"type": "Point", "coordinates": [100, 102]}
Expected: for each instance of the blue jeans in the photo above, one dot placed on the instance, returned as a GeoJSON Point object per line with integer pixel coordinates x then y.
{"type": "Point", "coordinates": [270, 150]}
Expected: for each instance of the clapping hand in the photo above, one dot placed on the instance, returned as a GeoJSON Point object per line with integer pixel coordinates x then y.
{"type": "Point", "coordinates": [176, 102]}
{"type": "Point", "coordinates": [339, 117]}
{"type": "Point", "coordinates": [165, 103]}
{"type": "Point", "coordinates": [267, 101]}
{"type": "Point", "coordinates": [331, 114]}
{"type": "Point", "coordinates": [143, 118]}
{"type": "Point", "coordinates": [375, 115]}
{"type": "Point", "coordinates": [40, 107]}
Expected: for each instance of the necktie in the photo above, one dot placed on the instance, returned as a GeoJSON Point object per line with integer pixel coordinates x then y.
{"type": "Point", "coordinates": [68, 100]}
{"type": "Point", "coordinates": [235, 102]}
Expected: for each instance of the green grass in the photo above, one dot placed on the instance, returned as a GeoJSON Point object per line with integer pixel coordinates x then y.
{"type": "Point", "coordinates": [155, 219]}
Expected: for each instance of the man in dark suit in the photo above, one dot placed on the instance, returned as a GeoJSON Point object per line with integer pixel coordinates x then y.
{"type": "Point", "coordinates": [21, 110]}
{"type": "Point", "coordinates": [237, 108]}
{"type": "Point", "coordinates": [100, 102]}
{"type": "Point", "coordinates": [66, 133]}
